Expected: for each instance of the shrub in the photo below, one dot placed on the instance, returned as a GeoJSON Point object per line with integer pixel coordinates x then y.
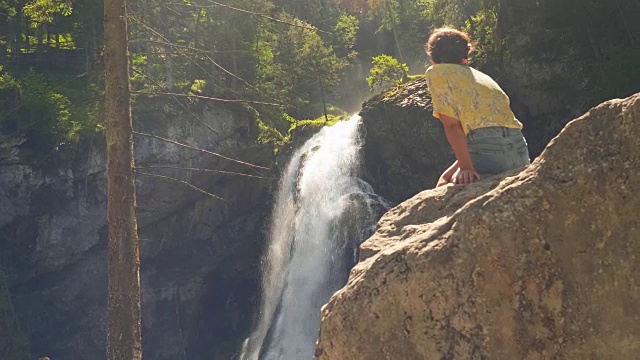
{"type": "Point", "coordinates": [387, 71]}
{"type": "Point", "coordinates": [34, 111]}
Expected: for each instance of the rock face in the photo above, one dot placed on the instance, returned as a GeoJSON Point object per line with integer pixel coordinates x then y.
{"type": "Point", "coordinates": [405, 149]}
{"type": "Point", "coordinates": [538, 264]}
{"type": "Point", "coordinates": [200, 255]}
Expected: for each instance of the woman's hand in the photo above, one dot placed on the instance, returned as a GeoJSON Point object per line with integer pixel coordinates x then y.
{"type": "Point", "coordinates": [443, 181]}
{"type": "Point", "coordinates": [447, 177]}
{"type": "Point", "coordinates": [465, 176]}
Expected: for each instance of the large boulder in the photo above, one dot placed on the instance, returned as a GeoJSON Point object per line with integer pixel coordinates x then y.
{"type": "Point", "coordinates": [405, 150]}
{"type": "Point", "coordinates": [537, 264]}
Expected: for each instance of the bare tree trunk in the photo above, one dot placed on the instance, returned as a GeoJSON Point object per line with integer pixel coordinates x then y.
{"type": "Point", "coordinates": [123, 318]}
{"type": "Point", "coordinates": [147, 45]}
{"type": "Point", "coordinates": [48, 27]}
{"type": "Point", "coordinates": [94, 44]}
{"type": "Point", "coordinates": [234, 65]}
{"type": "Point", "coordinates": [18, 40]}
{"type": "Point", "coordinates": [169, 67]}
{"type": "Point", "coordinates": [324, 103]}
{"type": "Point", "coordinates": [87, 56]}
{"type": "Point", "coordinates": [196, 32]}
{"type": "Point", "coordinates": [39, 32]}
{"type": "Point", "coordinates": [27, 44]}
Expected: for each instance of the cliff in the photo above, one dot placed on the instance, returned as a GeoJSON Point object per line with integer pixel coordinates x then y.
{"type": "Point", "coordinates": [200, 256]}
{"type": "Point", "coordinates": [534, 264]}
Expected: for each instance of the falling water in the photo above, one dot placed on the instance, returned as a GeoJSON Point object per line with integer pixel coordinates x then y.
{"type": "Point", "coordinates": [322, 213]}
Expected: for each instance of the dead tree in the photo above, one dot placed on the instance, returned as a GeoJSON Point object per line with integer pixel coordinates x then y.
{"type": "Point", "coordinates": [123, 318]}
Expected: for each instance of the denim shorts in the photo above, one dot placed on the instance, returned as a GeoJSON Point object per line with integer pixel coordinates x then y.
{"type": "Point", "coordinates": [497, 149]}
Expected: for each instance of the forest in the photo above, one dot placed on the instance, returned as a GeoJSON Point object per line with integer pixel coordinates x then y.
{"type": "Point", "coordinates": [289, 63]}
{"type": "Point", "coordinates": [296, 60]}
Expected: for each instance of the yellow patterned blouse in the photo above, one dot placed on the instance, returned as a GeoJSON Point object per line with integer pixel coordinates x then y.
{"type": "Point", "coordinates": [470, 96]}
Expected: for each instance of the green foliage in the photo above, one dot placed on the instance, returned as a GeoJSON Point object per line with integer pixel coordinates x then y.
{"type": "Point", "coordinates": [320, 13]}
{"type": "Point", "coordinates": [7, 8]}
{"type": "Point", "coordinates": [290, 119]}
{"type": "Point", "coordinates": [386, 71]}
{"type": "Point", "coordinates": [42, 11]}
{"type": "Point", "coordinates": [295, 65]}
{"type": "Point", "coordinates": [346, 30]}
{"type": "Point", "coordinates": [198, 86]}
{"type": "Point", "coordinates": [316, 50]}
{"type": "Point", "coordinates": [483, 26]}
{"type": "Point", "coordinates": [44, 116]}
{"type": "Point", "coordinates": [276, 130]}
{"type": "Point", "coordinates": [240, 56]}
{"type": "Point", "coordinates": [269, 134]}
{"type": "Point", "coordinates": [7, 83]}
{"type": "Point", "coordinates": [388, 11]}
{"type": "Point", "coordinates": [317, 123]}
{"type": "Point", "coordinates": [37, 113]}
{"type": "Point", "coordinates": [85, 100]}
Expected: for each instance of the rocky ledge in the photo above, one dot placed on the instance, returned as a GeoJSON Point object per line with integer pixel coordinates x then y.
{"type": "Point", "coordinates": [534, 264]}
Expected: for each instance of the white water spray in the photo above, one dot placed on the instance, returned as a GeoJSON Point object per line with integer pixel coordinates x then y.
{"type": "Point", "coordinates": [322, 213]}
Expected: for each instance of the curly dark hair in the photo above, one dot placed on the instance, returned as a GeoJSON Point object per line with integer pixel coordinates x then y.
{"type": "Point", "coordinates": [448, 46]}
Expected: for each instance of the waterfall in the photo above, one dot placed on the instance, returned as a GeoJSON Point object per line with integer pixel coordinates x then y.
{"type": "Point", "coordinates": [323, 211]}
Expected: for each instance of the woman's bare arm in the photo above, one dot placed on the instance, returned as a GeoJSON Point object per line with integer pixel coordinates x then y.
{"type": "Point", "coordinates": [458, 141]}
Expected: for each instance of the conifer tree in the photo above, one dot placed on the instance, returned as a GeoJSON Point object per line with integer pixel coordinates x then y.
{"type": "Point", "coordinates": [123, 318]}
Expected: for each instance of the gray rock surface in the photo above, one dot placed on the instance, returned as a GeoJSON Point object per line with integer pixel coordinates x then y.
{"type": "Point", "coordinates": [200, 255]}
{"type": "Point", "coordinates": [405, 148]}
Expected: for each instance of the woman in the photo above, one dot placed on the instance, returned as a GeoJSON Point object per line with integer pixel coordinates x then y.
{"type": "Point", "coordinates": [479, 124]}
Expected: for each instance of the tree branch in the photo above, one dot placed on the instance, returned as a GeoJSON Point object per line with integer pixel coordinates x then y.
{"type": "Point", "coordinates": [204, 52]}
{"type": "Point", "coordinates": [208, 98]}
{"type": "Point", "coordinates": [182, 182]}
{"type": "Point", "coordinates": [217, 4]}
{"type": "Point", "coordinates": [203, 170]}
{"type": "Point", "coordinates": [176, 99]}
{"type": "Point", "coordinates": [201, 150]}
